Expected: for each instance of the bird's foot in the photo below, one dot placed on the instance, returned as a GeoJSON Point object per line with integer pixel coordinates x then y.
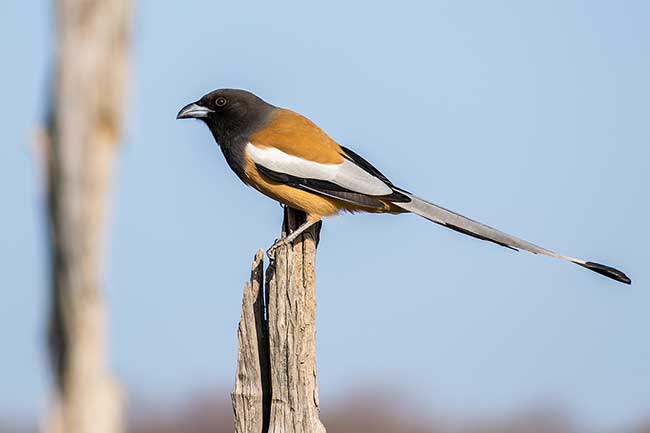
{"type": "Point", "coordinates": [289, 239]}
{"type": "Point", "coordinates": [278, 243]}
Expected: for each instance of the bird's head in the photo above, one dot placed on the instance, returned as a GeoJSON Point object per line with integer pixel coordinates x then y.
{"type": "Point", "coordinates": [228, 112]}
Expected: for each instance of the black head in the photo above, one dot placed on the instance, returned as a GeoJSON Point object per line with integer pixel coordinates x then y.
{"type": "Point", "coordinates": [229, 113]}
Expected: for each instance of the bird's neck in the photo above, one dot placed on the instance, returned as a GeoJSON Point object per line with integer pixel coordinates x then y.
{"type": "Point", "coordinates": [232, 146]}
{"type": "Point", "coordinates": [227, 134]}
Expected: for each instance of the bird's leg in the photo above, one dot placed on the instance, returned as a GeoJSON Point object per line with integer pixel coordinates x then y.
{"type": "Point", "coordinates": [297, 232]}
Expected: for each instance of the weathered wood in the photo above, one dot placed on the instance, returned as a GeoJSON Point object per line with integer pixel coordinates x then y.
{"type": "Point", "coordinates": [288, 342]}
{"type": "Point", "coordinates": [251, 390]}
{"type": "Point", "coordinates": [83, 130]}
{"type": "Point", "coordinates": [292, 332]}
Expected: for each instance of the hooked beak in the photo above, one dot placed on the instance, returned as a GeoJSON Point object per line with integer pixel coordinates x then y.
{"type": "Point", "coordinates": [193, 111]}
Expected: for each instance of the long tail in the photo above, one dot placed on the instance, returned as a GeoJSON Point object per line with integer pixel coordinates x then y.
{"type": "Point", "coordinates": [473, 228]}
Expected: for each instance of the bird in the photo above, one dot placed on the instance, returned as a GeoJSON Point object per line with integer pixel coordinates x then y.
{"type": "Point", "coordinates": [288, 158]}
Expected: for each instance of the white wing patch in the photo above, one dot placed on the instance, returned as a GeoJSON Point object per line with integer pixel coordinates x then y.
{"type": "Point", "coordinates": [347, 174]}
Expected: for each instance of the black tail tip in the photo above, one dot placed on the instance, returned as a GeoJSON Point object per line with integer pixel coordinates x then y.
{"type": "Point", "coordinates": [607, 271]}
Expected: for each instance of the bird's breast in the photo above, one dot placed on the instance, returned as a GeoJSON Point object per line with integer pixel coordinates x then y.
{"type": "Point", "coordinates": [235, 154]}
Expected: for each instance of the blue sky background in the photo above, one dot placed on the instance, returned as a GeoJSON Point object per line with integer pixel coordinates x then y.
{"type": "Point", "coordinates": [530, 116]}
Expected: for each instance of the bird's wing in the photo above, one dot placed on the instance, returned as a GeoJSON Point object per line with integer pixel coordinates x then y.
{"type": "Point", "coordinates": [345, 174]}
{"type": "Point", "coordinates": [294, 151]}
{"type": "Point", "coordinates": [344, 181]}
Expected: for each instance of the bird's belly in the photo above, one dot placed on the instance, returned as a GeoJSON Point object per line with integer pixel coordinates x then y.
{"type": "Point", "coordinates": [312, 204]}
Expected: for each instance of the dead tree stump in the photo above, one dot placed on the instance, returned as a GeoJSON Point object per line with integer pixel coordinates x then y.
{"type": "Point", "coordinates": [276, 388]}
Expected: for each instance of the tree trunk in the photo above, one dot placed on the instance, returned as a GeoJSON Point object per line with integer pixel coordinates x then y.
{"type": "Point", "coordinates": [83, 129]}
{"type": "Point", "coordinates": [276, 389]}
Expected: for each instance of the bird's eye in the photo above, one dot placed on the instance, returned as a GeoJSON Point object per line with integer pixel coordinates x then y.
{"type": "Point", "coordinates": [220, 101]}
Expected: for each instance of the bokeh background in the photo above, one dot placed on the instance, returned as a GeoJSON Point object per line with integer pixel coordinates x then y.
{"type": "Point", "coordinates": [529, 116]}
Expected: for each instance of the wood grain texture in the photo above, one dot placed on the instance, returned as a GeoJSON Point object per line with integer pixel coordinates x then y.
{"type": "Point", "coordinates": [251, 395]}
{"type": "Point", "coordinates": [288, 335]}
{"type": "Point", "coordinates": [292, 332]}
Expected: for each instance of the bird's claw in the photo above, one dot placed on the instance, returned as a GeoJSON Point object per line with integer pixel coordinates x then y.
{"type": "Point", "coordinates": [278, 243]}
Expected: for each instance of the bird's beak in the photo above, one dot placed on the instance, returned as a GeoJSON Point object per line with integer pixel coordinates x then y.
{"type": "Point", "coordinates": [193, 111]}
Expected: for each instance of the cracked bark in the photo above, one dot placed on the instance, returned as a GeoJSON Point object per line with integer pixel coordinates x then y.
{"type": "Point", "coordinates": [276, 388]}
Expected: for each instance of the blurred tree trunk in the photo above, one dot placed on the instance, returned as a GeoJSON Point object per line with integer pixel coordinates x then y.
{"type": "Point", "coordinates": [276, 387]}
{"type": "Point", "coordinates": [83, 130]}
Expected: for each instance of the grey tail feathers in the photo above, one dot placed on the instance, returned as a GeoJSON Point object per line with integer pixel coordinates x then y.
{"type": "Point", "coordinates": [459, 223]}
